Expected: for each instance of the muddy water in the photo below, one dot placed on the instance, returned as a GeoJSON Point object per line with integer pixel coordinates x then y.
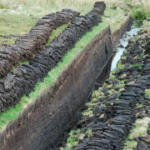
{"type": "Point", "coordinates": [123, 42]}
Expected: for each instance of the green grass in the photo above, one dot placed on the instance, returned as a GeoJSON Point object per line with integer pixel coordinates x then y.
{"type": "Point", "coordinates": [114, 71]}
{"type": "Point", "coordinates": [74, 138]}
{"type": "Point", "coordinates": [88, 132]}
{"type": "Point", "coordinates": [140, 105]}
{"type": "Point", "coordinates": [143, 55]}
{"type": "Point", "coordinates": [140, 65]}
{"type": "Point", "coordinates": [56, 32]}
{"type": "Point", "coordinates": [138, 12]}
{"type": "Point", "coordinates": [112, 77]}
{"type": "Point", "coordinates": [15, 24]}
{"type": "Point", "coordinates": [125, 51]}
{"type": "Point", "coordinates": [120, 65]}
{"type": "Point", "coordinates": [25, 62]}
{"type": "Point", "coordinates": [134, 39]}
{"type": "Point", "coordinates": [7, 41]}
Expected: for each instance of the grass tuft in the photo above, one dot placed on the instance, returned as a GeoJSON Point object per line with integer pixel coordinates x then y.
{"type": "Point", "coordinates": [56, 33]}
{"type": "Point", "coordinates": [130, 145]}
{"type": "Point", "coordinates": [140, 129]}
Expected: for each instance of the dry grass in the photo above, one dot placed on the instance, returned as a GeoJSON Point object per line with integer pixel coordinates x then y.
{"type": "Point", "coordinates": [41, 7]}
{"type": "Point", "coordinates": [141, 126]}
{"type": "Point", "coordinates": [130, 145]}
{"type": "Point", "coordinates": [18, 16]}
{"type": "Point", "coordinates": [140, 129]}
{"type": "Point", "coordinates": [146, 26]}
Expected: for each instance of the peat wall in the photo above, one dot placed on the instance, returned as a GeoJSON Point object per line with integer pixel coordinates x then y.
{"type": "Point", "coordinates": [42, 123]}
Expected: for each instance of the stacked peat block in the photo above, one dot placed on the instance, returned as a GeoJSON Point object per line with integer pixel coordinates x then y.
{"type": "Point", "coordinates": [144, 111]}
{"type": "Point", "coordinates": [22, 80]}
{"type": "Point", "coordinates": [53, 53]}
{"type": "Point", "coordinates": [34, 41]}
{"type": "Point", "coordinates": [120, 117]}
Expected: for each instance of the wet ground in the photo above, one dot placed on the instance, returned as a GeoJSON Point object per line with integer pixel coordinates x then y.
{"type": "Point", "coordinates": [123, 42]}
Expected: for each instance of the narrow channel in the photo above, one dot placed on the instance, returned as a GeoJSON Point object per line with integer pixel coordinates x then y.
{"type": "Point", "coordinates": [123, 42]}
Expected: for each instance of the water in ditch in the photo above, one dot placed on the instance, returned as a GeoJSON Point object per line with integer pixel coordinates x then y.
{"type": "Point", "coordinates": [123, 42]}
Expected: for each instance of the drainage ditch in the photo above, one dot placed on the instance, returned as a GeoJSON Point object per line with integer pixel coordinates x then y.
{"type": "Point", "coordinates": [123, 42]}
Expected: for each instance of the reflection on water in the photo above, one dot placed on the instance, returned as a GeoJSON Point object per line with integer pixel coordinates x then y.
{"type": "Point", "coordinates": [123, 42]}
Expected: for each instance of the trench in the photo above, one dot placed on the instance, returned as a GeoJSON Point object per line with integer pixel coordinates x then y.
{"type": "Point", "coordinates": [104, 75]}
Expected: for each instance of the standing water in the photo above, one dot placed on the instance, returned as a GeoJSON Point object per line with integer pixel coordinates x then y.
{"type": "Point", "coordinates": [123, 42]}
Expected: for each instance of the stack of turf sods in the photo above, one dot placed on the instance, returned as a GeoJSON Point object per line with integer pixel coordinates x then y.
{"type": "Point", "coordinates": [113, 117]}
{"type": "Point", "coordinates": [34, 41]}
{"type": "Point", "coordinates": [22, 80]}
